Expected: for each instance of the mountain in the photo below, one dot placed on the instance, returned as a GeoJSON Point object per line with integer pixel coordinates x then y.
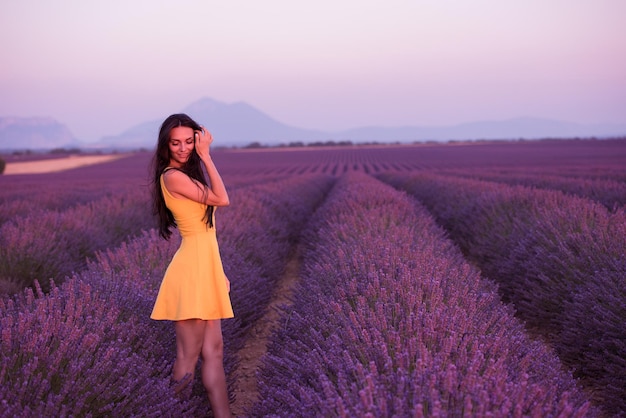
{"type": "Point", "coordinates": [528, 128]}
{"type": "Point", "coordinates": [34, 133]}
{"type": "Point", "coordinates": [139, 136]}
{"type": "Point", "coordinates": [235, 124]}
{"type": "Point", "coordinates": [239, 124]}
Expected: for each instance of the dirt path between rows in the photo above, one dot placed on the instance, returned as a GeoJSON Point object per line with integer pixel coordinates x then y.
{"type": "Point", "coordinates": [247, 393]}
{"type": "Point", "coordinates": [58, 164]}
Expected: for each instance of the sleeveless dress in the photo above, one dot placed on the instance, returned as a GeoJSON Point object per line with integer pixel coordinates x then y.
{"type": "Point", "coordinates": [194, 285]}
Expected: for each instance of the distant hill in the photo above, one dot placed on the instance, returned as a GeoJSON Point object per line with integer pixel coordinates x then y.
{"type": "Point", "coordinates": [527, 128]}
{"type": "Point", "coordinates": [239, 124]}
{"type": "Point", "coordinates": [236, 124]}
{"type": "Point", "coordinates": [139, 136]}
{"type": "Point", "coordinates": [34, 133]}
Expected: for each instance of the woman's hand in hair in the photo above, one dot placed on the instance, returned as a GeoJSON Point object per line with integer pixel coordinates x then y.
{"type": "Point", "coordinates": [203, 139]}
{"type": "Point", "coordinates": [216, 192]}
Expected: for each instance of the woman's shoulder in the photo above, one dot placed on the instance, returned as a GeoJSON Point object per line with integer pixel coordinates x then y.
{"type": "Point", "coordinates": [175, 178]}
{"type": "Point", "coordinates": [172, 172]}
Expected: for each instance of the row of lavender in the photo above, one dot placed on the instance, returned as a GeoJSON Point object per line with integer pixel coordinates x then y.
{"type": "Point", "coordinates": [43, 243]}
{"type": "Point", "coordinates": [20, 198]}
{"type": "Point", "coordinates": [608, 188]}
{"type": "Point", "coordinates": [234, 172]}
{"type": "Point", "coordinates": [88, 348]}
{"type": "Point", "coordinates": [560, 259]}
{"type": "Point", "coordinates": [595, 159]}
{"type": "Point", "coordinates": [50, 225]}
{"type": "Point", "coordinates": [388, 319]}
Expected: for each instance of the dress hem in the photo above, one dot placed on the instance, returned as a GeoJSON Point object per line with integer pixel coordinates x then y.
{"type": "Point", "coordinates": [191, 317]}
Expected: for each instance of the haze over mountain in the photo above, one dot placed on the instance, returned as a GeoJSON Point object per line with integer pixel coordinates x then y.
{"type": "Point", "coordinates": [235, 124]}
{"type": "Point", "coordinates": [34, 133]}
{"type": "Point", "coordinates": [240, 124]}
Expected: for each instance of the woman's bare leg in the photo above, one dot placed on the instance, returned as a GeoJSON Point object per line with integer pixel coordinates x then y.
{"type": "Point", "coordinates": [189, 338]}
{"type": "Point", "coordinates": [213, 375]}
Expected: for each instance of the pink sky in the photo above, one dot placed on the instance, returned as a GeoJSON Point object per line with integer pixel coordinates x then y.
{"type": "Point", "coordinates": [102, 67]}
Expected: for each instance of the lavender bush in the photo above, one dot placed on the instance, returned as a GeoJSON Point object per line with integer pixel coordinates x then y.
{"type": "Point", "coordinates": [116, 292]}
{"type": "Point", "coordinates": [21, 199]}
{"type": "Point", "coordinates": [593, 336]}
{"type": "Point", "coordinates": [609, 192]}
{"type": "Point", "coordinates": [66, 354]}
{"type": "Point", "coordinates": [388, 316]}
{"type": "Point", "coordinates": [389, 320]}
{"type": "Point", "coordinates": [545, 249]}
{"type": "Point", "coordinates": [52, 244]}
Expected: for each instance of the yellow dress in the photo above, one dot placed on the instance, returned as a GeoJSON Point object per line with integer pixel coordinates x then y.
{"type": "Point", "coordinates": [194, 285]}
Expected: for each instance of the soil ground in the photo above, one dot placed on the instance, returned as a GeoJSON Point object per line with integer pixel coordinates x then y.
{"type": "Point", "coordinates": [247, 392]}
{"type": "Point", "coordinates": [57, 164]}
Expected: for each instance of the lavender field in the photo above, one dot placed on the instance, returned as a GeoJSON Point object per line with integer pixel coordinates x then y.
{"type": "Point", "coordinates": [483, 279]}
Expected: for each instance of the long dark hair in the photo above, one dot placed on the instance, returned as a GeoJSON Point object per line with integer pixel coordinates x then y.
{"type": "Point", "coordinates": [161, 159]}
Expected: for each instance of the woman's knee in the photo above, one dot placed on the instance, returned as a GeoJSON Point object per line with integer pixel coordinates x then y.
{"type": "Point", "coordinates": [213, 345]}
{"type": "Point", "coordinates": [189, 339]}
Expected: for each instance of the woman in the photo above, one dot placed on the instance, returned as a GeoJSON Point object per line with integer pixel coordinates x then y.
{"type": "Point", "coordinates": [194, 292]}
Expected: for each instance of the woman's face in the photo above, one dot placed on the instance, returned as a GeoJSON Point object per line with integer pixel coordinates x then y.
{"type": "Point", "coordinates": [181, 145]}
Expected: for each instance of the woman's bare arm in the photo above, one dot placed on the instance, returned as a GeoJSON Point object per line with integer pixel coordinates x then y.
{"type": "Point", "coordinates": [181, 185]}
